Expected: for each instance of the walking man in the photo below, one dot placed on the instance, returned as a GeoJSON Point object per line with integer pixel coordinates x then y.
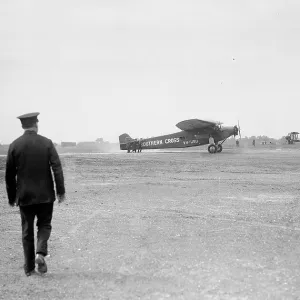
{"type": "Point", "coordinates": [29, 185]}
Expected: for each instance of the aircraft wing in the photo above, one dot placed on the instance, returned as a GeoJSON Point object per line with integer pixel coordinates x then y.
{"type": "Point", "coordinates": [195, 124]}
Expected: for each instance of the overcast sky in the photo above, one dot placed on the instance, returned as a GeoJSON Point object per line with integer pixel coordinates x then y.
{"type": "Point", "coordinates": [99, 68]}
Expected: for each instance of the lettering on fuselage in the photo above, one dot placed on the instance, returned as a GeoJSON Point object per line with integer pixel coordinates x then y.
{"type": "Point", "coordinates": [173, 140]}
{"type": "Point", "coordinates": [152, 143]}
{"type": "Point", "coordinates": [191, 142]}
{"type": "Point", "coordinates": [160, 142]}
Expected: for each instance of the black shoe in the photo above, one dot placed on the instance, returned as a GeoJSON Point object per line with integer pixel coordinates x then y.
{"type": "Point", "coordinates": [40, 261]}
{"type": "Point", "coordinates": [29, 273]}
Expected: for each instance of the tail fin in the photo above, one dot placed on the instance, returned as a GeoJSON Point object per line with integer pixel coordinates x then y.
{"type": "Point", "coordinates": [123, 140]}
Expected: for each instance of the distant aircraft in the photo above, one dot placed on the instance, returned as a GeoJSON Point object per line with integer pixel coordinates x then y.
{"type": "Point", "coordinates": [193, 132]}
{"type": "Point", "coordinates": [292, 137]}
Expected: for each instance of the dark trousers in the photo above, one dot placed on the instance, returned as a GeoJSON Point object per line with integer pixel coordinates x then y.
{"type": "Point", "coordinates": [43, 212]}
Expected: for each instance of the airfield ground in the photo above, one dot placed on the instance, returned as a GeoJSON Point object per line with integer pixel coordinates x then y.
{"type": "Point", "coordinates": [184, 225]}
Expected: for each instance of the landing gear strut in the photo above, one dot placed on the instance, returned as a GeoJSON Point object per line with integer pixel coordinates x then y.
{"type": "Point", "coordinates": [215, 148]}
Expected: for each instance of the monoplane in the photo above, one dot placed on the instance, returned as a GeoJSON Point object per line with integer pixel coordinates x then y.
{"type": "Point", "coordinates": [194, 132]}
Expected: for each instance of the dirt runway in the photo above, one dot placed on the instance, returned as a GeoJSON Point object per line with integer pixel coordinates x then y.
{"type": "Point", "coordinates": [182, 225]}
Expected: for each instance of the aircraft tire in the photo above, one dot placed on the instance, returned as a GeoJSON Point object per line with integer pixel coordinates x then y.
{"type": "Point", "coordinates": [219, 148]}
{"type": "Point", "coordinates": [212, 149]}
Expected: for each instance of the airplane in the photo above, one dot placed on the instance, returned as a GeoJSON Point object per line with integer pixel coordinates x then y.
{"type": "Point", "coordinates": [194, 132]}
{"type": "Point", "coordinates": [292, 137]}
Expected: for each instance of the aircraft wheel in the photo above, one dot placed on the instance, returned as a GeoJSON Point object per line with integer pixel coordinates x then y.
{"type": "Point", "coordinates": [212, 149]}
{"type": "Point", "coordinates": [219, 148]}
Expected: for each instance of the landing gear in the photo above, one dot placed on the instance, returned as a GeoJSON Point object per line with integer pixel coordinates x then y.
{"type": "Point", "coordinates": [212, 149]}
{"type": "Point", "coordinates": [215, 148]}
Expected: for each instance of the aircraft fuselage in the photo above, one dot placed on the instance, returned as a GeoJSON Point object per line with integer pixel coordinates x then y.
{"type": "Point", "coordinates": [183, 139]}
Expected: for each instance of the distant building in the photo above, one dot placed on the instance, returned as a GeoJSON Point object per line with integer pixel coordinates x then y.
{"type": "Point", "coordinates": [68, 144]}
{"type": "Point", "coordinates": [86, 144]}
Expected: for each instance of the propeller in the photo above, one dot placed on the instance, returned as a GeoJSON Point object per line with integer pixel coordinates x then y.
{"type": "Point", "coordinates": [239, 128]}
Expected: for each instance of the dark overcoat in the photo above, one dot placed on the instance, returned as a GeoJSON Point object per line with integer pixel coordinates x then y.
{"type": "Point", "coordinates": [28, 174]}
